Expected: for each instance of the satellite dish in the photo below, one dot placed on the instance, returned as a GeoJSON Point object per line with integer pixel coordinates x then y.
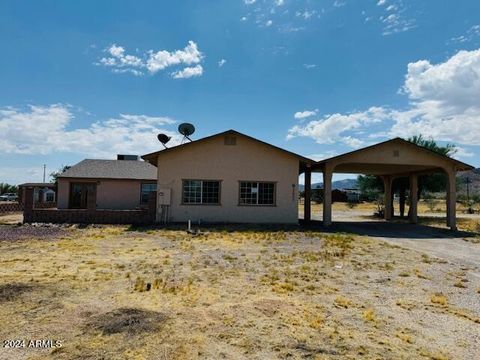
{"type": "Point", "coordinates": [186, 129]}
{"type": "Point", "coordinates": [163, 139]}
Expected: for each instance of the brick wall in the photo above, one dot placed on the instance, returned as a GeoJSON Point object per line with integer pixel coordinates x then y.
{"type": "Point", "coordinates": [89, 215]}
{"type": "Point", "coordinates": [84, 216]}
{"type": "Point", "coordinates": [46, 205]}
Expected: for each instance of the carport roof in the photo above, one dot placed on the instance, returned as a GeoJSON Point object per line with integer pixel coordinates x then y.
{"type": "Point", "coordinates": [379, 169]}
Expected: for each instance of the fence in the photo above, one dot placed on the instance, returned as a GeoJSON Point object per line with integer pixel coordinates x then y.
{"type": "Point", "coordinates": [10, 207]}
{"type": "Point", "coordinates": [91, 215]}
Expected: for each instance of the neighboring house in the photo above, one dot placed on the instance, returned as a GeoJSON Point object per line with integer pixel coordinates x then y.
{"type": "Point", "coordinates": [42, 193]}
{"type": "Point", "coordinates": [228, 177]}
{"type": "Point", "coordinates": [353, 195]}
{"type": "Point", "coordinates": [122, 184]}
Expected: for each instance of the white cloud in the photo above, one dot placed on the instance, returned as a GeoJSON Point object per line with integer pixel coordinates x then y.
{"type": "Point", "coordinates": [279, 2]}
{"type": "Point", "coordinates": [188, 72]}
{"type": "Point", "coordinates": [309, 66]}
{"type": "Point", "coordinates": [151, 61]}
{"type": "Point", "coordinates": [21, 174]}
{"type": "Point", "coordinates": [338, 3]}
{"type": "Point", "coordinates": [305, 14]}
{"type": "Point", "coordinates": [443, 104]}
{"type": "Point", "coordinates": [162, 59]}
{"type": "Point", "coordinates": [444, 99]}
{"type": "Point", "coordinates": [47, 129]}
{"type": "Point", "coordinates": [461, 152]}
{"type": "Point", "coordinates": [305, 114]}
{"type": "Point", "coordinates": [222, 62]}
{"type": "Point", "coordinates": [394, 17]}
{"type": "Point", "coordinates": [249, 2]}
{"type": "Point", "coordinates": [339, 127]}
{"type": "Point", "coordinates": [472, 33]}
{"type": "Point", "coordinates": [324, 155]}
{"type": "Point", "coordinates": [269, 23]}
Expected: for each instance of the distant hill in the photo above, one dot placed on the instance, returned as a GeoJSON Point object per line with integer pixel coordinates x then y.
{"type": "Point", "coordinates": [474, 180]}
{"type": "Point", "coordinates": [339, 184]}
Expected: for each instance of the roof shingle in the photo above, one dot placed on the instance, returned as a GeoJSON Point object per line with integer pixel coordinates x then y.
{"type": "Point", "coordinates": [112, 169]}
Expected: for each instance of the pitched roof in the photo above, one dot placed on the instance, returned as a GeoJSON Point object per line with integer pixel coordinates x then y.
{"type": "Point", "coordinates": [111, 169]}
{"type": "Point", "coordinates": [460, 165]}
{"type": "Point", "coordinates": [153, 156]}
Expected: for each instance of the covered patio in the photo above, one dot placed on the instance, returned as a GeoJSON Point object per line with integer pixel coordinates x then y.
{"type": "Point", "coordinates": [392, 159]}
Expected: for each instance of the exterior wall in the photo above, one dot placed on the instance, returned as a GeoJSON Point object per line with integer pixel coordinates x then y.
{"type": "Point", "coordinates": [248, 160]}
{"type": "Point", "coordinates": [111, 194]}
{"type": "Point", "coordinates": [63, 192]}
{"type": "Point", "coordinates": [118, 194]}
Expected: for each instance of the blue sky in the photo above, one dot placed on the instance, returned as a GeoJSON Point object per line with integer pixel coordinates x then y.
{"type": "Point", "coordinates": [91, 79]}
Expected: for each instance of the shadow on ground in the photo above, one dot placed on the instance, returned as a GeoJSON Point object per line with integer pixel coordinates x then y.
{"type": "Point", "coordinates": [375, 228]}
{"type": "Point", "coordinates": [390, 230]}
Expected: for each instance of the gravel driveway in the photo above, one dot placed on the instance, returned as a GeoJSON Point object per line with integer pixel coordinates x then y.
{"type": "Point", "coordinates": [456, 247]}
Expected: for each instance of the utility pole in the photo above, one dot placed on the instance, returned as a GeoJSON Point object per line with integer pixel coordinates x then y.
{"type": "Point", "coordinates": [44, 168]}
{"type": "Point", "coordinates": [470, 210]}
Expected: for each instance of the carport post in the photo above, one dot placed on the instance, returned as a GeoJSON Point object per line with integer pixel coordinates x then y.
{"type": "Point", "coordinates": [387, 184]}
{"type": "Point", "coordinates": [413, 198]}
{"type": "Point", "coordinates": [452, 200]}
{"type": "Point", "coordinates": [307, 207]}
{"type": "Point", "coordinates": [327, 195]}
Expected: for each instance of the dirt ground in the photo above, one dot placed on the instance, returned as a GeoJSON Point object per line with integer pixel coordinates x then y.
{"type": "Point", "coordinates": [120, 293]}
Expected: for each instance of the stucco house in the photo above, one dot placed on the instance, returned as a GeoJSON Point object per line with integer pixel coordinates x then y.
{"type": "Point", "coordinates": [227, 177]}
{"type": "Point", "coordinates": [122, 184]}
{"type": "Point", "coordinates": [231, 177]}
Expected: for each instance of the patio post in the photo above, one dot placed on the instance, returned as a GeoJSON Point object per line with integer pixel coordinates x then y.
{"type": "Point", "coordinates": [413, 198]}
{"type": "Point", "coordinates": [451, 200]}
{"type": "Point", "coordinates": [387, 184]}
{"type": "Point", "coordinates": [307, 207]}
{"type": "Point", "coordinates": [327, 195]}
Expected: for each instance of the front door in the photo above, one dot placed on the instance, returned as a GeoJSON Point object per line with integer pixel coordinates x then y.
{"type": "Point", "coordinates": [78, 195]}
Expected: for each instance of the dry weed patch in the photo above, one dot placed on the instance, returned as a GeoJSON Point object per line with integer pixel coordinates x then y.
{"type": "Point", "coordinates": [231, 293]}
{"type": "Point", "coordinates": [127, 320]}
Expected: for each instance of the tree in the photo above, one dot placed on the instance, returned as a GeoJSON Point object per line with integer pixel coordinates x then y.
{"type": "Point", "coordinates": [7, 188]}
{"type": "Point", "coordinates": [369, 186]}
{"type": "Point", "coordinates": [438, 181]}
{"type": "Point", "coordinates": [54, 175]}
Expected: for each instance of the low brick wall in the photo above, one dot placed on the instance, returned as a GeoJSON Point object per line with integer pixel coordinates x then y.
{"type": "Point", "coordinates": [71, 216]}
{"type": "Point", "coordinates": [46, 205]}
{"type": "Point", "coordinates": [10, 207]}
{"type": "Point", "coordinates": [91, 215]}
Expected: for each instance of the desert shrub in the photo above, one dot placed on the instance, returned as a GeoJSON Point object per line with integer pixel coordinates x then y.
{"type": "Point", "coordinates": [352, 204]}
{"type": "Point", "coordinates": [431, 203]}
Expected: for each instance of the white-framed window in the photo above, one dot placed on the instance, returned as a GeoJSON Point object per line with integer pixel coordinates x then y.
{"type": "Point", "coordinates": [50, 196]}
{"type": "Point", "coordinates": [257, 193]}
{"type": "Point", "coordinates": [201, 192]}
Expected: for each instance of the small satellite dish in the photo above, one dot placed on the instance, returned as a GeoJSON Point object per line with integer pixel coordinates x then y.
{"type": "Point", "coordinates": [186, 129]}
{"type": "Point", "coordinates": [163, 139]}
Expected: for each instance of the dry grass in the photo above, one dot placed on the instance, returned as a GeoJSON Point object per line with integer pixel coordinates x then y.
{"type": "Point", "coordinates": [118, 293]}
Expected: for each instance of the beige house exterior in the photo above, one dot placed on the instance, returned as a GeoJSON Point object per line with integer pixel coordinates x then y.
{"type": "Point", "coordinates": [231, 177]}
{"type": "Point", "coordinates": [116, 184]}
{"type": "Point", "coordinates": [248, 172]}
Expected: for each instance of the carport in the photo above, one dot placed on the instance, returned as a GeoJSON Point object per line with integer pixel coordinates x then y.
{"type": "Point", "coordinates": [390, 160]}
